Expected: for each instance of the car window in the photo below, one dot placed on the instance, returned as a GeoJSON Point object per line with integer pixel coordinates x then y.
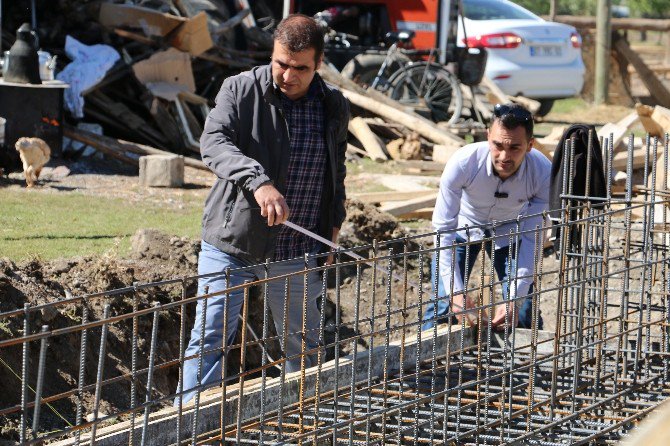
{"type": "Point", "coordinates": [494, 10]}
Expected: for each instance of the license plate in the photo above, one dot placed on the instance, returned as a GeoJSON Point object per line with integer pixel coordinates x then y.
{"type": "Point", "coordinates": [546, 51]}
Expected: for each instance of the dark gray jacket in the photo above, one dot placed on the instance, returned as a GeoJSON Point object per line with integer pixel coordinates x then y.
{"type": "Point", "coordinates": [245, 142]}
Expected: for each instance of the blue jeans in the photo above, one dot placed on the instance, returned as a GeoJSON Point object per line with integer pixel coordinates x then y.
{"type": "Point", "coordinates": [212, 260]}
{"type": "Point", "coordinates": [500, 264]}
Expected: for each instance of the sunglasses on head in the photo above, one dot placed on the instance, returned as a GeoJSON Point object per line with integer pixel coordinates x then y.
{"type": "Point", "coordinates": [520, 114]}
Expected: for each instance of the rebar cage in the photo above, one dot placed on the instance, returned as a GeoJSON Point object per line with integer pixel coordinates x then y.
{"type": "Point", "coordinates": [601, 365]}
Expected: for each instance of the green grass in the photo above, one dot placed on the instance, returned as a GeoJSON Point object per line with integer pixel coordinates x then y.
{"type": "Point", "coordinates": [57, 225]}
{"type": "Point", "coordinates": [568, 105]}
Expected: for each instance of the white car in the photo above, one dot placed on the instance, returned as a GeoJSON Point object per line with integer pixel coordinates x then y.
{"type": "Point", "coordinates": [526, 55]}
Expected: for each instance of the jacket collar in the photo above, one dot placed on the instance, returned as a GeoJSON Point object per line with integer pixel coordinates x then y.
{"type": "Point", "coordinates": [271, 92]}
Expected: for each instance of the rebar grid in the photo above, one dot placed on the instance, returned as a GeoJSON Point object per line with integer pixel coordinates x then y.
{"type": "Point", "coordinates": [378, 378]}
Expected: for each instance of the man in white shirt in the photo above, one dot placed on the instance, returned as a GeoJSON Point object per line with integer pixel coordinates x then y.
{"type": "Point", "coordinates": [504, 181]}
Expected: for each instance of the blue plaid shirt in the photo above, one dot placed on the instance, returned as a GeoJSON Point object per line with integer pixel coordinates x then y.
{"type": "Point", "coordinates": [306, 169]}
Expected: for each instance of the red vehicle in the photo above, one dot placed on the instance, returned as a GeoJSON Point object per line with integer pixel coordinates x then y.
{"type": "Point", "coordinates": [404, 48]}
{"type": "Point", "coordinates": [371, 20]}
{"type": "Point", "coordinates": [375, 18]}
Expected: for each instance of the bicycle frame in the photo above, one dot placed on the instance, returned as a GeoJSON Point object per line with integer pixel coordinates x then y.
{"type": "Point", "coordinates": [391, 57]}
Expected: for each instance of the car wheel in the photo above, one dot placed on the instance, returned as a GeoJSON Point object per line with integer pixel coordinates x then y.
{"type": "Point", "coordinates": [545, 107]}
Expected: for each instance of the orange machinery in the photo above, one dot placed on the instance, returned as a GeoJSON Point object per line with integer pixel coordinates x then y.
{"type": "Point", "coordinates": [435, 22]}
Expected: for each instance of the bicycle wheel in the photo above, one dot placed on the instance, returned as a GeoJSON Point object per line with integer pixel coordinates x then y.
{"type": "Point", "coordinates": [363, 68]}
{"type": "Point", "coordinates": [430, 89]}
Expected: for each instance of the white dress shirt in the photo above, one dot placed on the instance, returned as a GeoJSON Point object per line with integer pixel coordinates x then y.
{"type": "Point", "coordinates": [467, 196]}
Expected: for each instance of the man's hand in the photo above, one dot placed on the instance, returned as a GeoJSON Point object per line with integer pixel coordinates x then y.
{"type": "Point", "coordinates": [272, 204]}
{"type": "Point", "coordinates": [331, 257]}
{"type": "Point", "coordinates": [503, 314]}
{"type": "Point", "coordinates": [461, 302]}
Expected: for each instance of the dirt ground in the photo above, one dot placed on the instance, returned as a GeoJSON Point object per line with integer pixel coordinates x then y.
{"type": "Point", "coordinates": [155, 257]}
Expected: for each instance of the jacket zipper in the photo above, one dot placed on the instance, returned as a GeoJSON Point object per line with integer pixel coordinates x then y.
{"type": "Point", "coordinates": [230, 211]}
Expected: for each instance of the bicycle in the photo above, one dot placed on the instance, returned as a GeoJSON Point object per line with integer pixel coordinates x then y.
{"type": "Point", "coordinates": [425, 86]}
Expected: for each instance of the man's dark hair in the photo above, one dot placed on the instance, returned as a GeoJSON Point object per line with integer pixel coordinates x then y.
{"type": "Point", "coordinates": [298, 32]}
{"type": "Point", "coordinates": [511, 116]}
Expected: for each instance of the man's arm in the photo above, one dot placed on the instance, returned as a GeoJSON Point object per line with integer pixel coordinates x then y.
{"type": "Point", "coordinates": [331, 258]}
{"type": "Point", "coordinates": [340, 194]}
{"type": "Point", "coordinates": [445, 218]}
{"type": "Point", "coordinates": [341, 170]}
{"type": "Point", "coordinates": [220, 152]}
{"type": "Point", "coordinates": [525, 263]}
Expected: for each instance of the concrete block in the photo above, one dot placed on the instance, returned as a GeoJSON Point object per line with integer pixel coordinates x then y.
{"type": "Point", "coordinates": [162, 171]}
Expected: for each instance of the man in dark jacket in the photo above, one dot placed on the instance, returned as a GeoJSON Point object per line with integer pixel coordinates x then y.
{"type": "Point", "coordinates": [276, 140]}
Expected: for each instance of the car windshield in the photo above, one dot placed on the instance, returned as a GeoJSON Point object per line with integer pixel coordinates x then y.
{"type": "Point", "coordinates": [494, 10]}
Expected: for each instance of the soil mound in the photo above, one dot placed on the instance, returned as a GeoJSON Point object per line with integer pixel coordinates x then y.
{"type": "Point", "coordinates": [365, 223]}
{"type": "Point", "coordinates": [155, 257]}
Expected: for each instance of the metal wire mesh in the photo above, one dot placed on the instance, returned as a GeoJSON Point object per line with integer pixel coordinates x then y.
{"type": "Point", "coordinates": [378, 378]}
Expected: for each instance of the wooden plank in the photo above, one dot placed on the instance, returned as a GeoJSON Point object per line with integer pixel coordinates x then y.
{"type": "Point", "coordinates": [658, 69]}
{"type": "Point", "coordinates": [258, 394]}
{"type": "Point", "coordinates": [499, 97]}
{"type": "Point", "coordinates": [617, 23]}
{"type": "Point", "coordinates": [654, 430]}
{"type": "Point", "coordinates": [650, 126]}
{"type": "Point", "coordinates": [629, 120]}
{"type": "Point", "coordinates": [103, 143]}
{"type": "Point", "coordinates": [151, 22]}
{"type": "Point", "coordinates": [353, 149]}
{"type": "Point", "coordinates": [333, 76]}
{"type": "Point", "coordinates": [616, 131]}
{"type": "Point", "coordinates": [413, 204]}
{"type": "Point", "coordinates": [620, 160]}
{"type": "Point", "coordinates": [422, 165]}
{"type": "Point", "coordinates": [547, 145]}
{"type": "Point", "coordinates": [193, 36]}
{"type": "Point", "coordinates": [386, 196]}
{"type": "Point", "coordinates": [419, 214]}
{"type": "Point", "coordinates": [371, 142]}
{"type": "Point", "coordinates": [421, 125]}
{"type": "Point", "coordinates": [441, 154]}
{"type": "Point", "coordinates": [653, 84]}
{"type": "Point", "coordinates": [531, 104]}
{"type": "Point", "coordinates": [406, 183]}
{"type": "Point", "coordinates": [661, 116]}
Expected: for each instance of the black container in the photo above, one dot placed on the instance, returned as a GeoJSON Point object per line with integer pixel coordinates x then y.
{"type": "Point", "coordinates": [23, 62]}
{"type": "Point", "coordinates": [471, 65]}
{"type": "Point", "coordinates": [34, 111]}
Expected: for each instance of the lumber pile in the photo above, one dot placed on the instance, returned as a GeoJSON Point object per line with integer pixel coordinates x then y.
{"type": "Point", "coordinates": [174, 55]}
{"type": "Point", "coordinates": [383, 129]}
